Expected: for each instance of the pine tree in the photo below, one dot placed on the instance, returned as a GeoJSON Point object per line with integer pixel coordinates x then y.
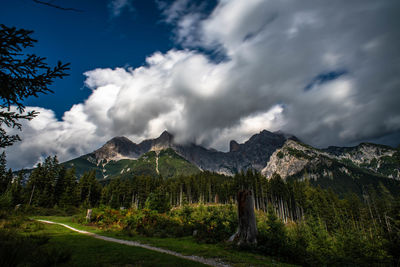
{"type": "Point", "coordinates": [89, 189]}
{"type": "Point", "coordinates": [4, 178]}
{"type": "Point", "coordinates": [70, 194]}
{"type": "Point", "coordinates": [17, 190]}
{"type": "Point", "coordinates": [273, 238]}
{"type": "Point", "coordinates": [21, 76]}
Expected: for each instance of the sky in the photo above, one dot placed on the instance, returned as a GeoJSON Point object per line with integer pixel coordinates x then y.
{"type": "Point", "coordinates": [211, 71]}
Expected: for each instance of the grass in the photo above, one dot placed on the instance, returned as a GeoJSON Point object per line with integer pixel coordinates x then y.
{"type": "Point", "coordinates": [62, 247]}
{"type": "Point", "coordinates": [184, 245]}
{"type": "Point", "coordinates": [88, 251]}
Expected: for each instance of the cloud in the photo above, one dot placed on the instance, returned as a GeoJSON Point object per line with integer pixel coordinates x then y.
{"type": "Point", "coordinates": [45, 136]}
{"type": "Point", "coordinates": [173, 12]}
{"type": "Point", "coordinates": [116, 7]}
{"type": "Point", "coordinates": [186, 16]}
{"type": "Point", "coordinates": [325, 72]}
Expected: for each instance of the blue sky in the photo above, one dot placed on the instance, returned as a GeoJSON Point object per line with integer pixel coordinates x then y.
{"type": "Point", "coordinates": [211, 71]}
{"type": "Point", "coordinates": [93, 38]}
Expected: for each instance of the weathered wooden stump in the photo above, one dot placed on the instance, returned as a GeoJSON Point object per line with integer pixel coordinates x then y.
{"type": "Point", "coordinates": [247, 229]}
{"type": "Point", "coordinates": [88, 215]}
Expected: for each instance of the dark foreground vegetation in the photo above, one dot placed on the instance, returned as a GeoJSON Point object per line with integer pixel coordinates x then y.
{"type": "Point", "coordinates": [24, 242]}
{"type": "Point", "coordinates": [296, 222]}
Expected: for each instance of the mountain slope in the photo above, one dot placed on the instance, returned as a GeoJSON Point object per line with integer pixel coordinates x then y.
{"type": "Point", "coordinates": [120, 154]}
{"type": "Point", "coordinates": [378, 158]}
{"type": "Point", "coordinates": [266, 152]}
{"type": "Point", "coordinates": [343, 172]}
{"type": "Point", "coordinates": [165, 162]}
{"type": "Point", "coordinates": [253, 154]}
{"type": "Point", "coordinates": [295, 156]}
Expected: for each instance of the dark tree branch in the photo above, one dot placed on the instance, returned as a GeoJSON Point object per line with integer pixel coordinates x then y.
{"type": "Point", "coordinates": [50, 4]}
{"type": "Point", "coordinates": [21, 76]}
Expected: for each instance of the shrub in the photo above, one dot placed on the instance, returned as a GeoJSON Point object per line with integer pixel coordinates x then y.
{"type": "Point", "coordinates": [107, 217]}
{"type": "Point", "coordinates": [214, 223]}
{"type": "Point", "coordinates": [151, 223]}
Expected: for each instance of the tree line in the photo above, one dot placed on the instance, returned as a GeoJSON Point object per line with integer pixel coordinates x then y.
{"type": "Point", "coordinates": [51, 184]}
{"type": "Point", "coordinates": [48, 185]}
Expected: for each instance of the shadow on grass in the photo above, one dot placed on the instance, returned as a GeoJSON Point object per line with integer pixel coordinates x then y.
{"type": "Point", "coordinates": [30, 250]}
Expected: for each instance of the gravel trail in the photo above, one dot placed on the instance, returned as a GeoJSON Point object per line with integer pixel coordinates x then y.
{"type": "Point", "coordinates": [210, 262]}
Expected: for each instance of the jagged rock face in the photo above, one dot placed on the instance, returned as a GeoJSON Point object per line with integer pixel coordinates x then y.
{"type": "Point", "coordinates": [285, 162]}
{"type": "Point", "coordinates": [256, 152]}
{"type": "Point", "coordinates": [253, 154]}
{"type": "Point", "coordinates": [294, 157]}
{"type": "Point", "coordinates": [163, 142]}
{"type": "Point", "coordinates": [206, 159]}
{"type": "Point", "coordinates": [266, 152]}
{"type": "Point", "coordinates": [115, 149]}
{"type": "Point", "coordinates": [371, 156]}
{"type": "Point", "coordinates": [233, 146]}
{"type": "Point", "coordinates": [361, 154]}
{"type": "Point", "coordinates": [123, 148]}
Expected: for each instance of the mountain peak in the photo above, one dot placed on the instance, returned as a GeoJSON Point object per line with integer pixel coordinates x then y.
{"type": "Point", "coordinates": [119, 139]}
{"type": "Point", "coordinates": [165, 140]}
{"type": "Point", "coordinates": [116, 148]}
{"type": "Point", "coordinates": [233, 146]}
{"type": "Point", "coordinates": [165, 134]}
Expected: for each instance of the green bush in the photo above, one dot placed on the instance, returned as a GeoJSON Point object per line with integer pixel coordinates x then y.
{"type": "Point", "coordinates": [6, 200]}
{"type": "Point", "coordinates": [354, 247]}
{"type": "Point", "coordinates": [107, 217]}
{"type": "Point", "coordinates": [151, 223]}
{"type": "Point", "coordinates": [214, 223]}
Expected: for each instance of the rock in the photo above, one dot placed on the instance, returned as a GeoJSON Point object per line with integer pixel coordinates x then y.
{"type": "Point", "coordinates": [233, 146]}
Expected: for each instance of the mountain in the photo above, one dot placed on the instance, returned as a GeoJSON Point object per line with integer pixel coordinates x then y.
{"type": "Point", "coordinates": [116, 149]}
{"type": "Point", "coordinates": [123, 148]}
{"type": "Point", "coordinates": [253, 154]}
{"type": "Point", "coordinates": [378, 158]}
{"type": "Point", "coordinates": [343, 169]}
{"type": "Point", "coordinates": [166, 163]}
{"type": "Point", "coordinates": [295, 156]}
{"type": "Point", "coordinates": [120, 155]}
{"type": "Point", "coordinates": [268, 152]}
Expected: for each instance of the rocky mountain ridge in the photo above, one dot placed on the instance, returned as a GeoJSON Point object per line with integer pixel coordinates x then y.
{"type": "Point", "coordinates": [268, 152]}
{"type": "Point", "coordinates": [122, 148]}
{"type": "Point", "coordinates": [254, 153]}
{"type": "Point", "coordinates": [294, 157]}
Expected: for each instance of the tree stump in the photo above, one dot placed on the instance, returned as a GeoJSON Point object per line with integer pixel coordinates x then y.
{"type": "Point", "coordinates": [88, 215]}
{"type": "Point", "coordinates": [247, 229]}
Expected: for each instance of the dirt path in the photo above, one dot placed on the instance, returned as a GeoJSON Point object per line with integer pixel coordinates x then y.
{"type": "Point", "coordinates": [210, 262]}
